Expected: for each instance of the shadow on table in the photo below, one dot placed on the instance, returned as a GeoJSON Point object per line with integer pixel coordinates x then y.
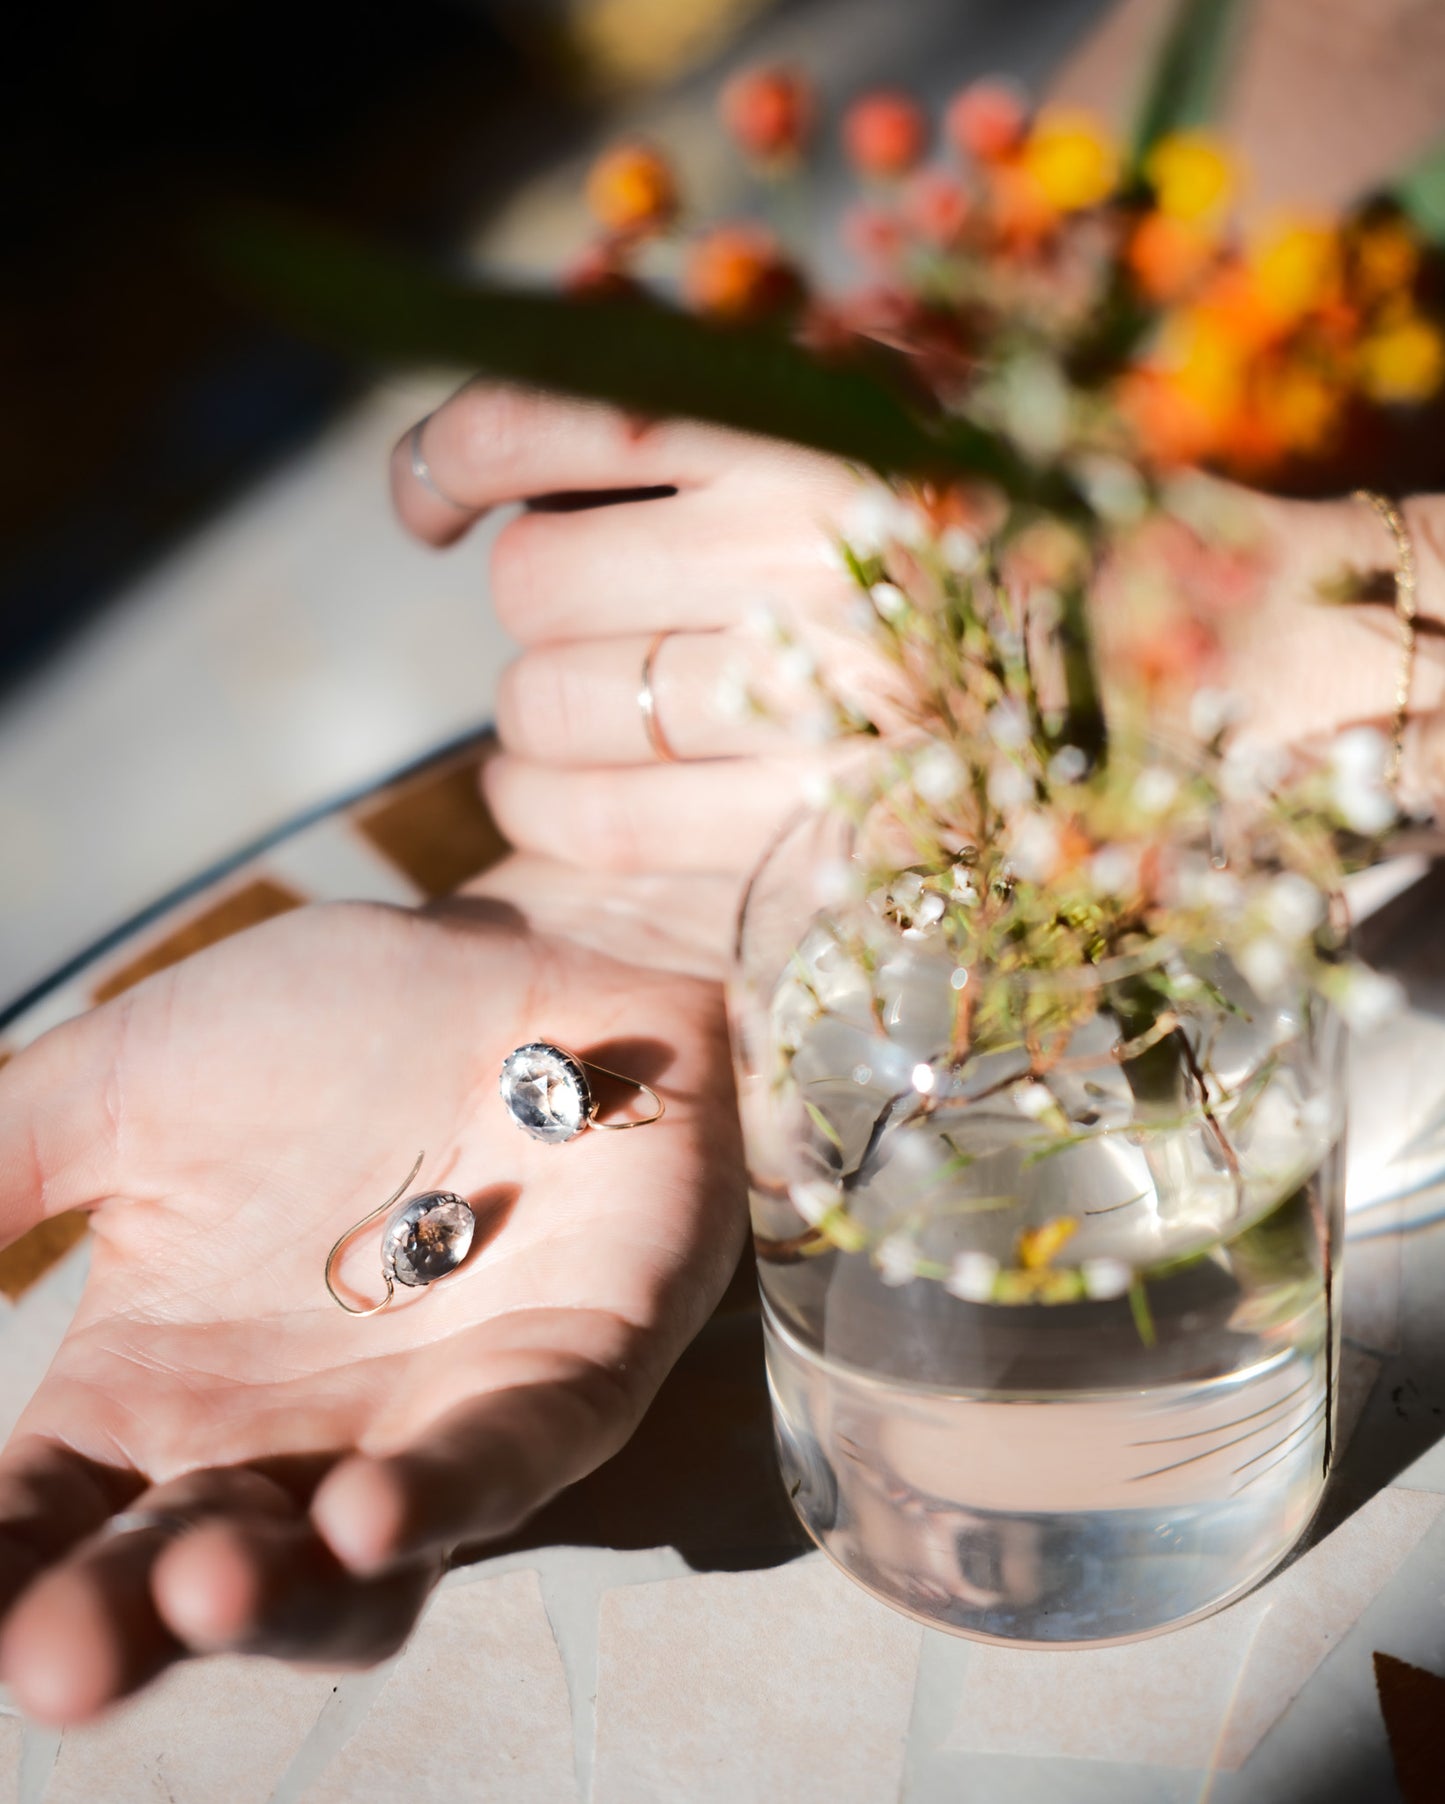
{"type": "Point", "coordinates": [1398, 1243]}
{"type": "Point", "coordinates": [700, 1473]}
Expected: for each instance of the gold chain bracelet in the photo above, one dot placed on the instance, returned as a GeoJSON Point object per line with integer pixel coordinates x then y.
{"type": "Point", "coordinates": [1405, 614]}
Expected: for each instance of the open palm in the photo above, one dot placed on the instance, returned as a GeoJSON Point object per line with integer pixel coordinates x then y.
{"type": "Point", "coordinates": [315, 1471]}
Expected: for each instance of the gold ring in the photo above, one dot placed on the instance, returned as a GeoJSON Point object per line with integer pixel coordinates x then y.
{"type": "Point", "coordinates": [647, 705]}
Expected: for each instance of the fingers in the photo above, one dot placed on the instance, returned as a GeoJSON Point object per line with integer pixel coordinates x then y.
{"type": "Point", "coordinates": [714, 817]}
{"type": "Point", "coordinates": [694, 561]}
{"type": "Point", "coordinates": [479, 1474]}
{"type": "Point", "coordinates": [491, 443]}
{"type": "Point", "coordinates": [581, 703]}
{"type": "Point", "coordinates": [50, 1499]}
{"type": "Point", "coordinates": [273, 1587]}
{"type": "Point", "coordinates": [62, 1113]}
{"type": "Point", "coordinates": [86, 1631]}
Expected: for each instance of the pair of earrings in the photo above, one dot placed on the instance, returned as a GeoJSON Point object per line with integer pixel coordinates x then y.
{"type": "Point", "coordinates": [549, 1095]}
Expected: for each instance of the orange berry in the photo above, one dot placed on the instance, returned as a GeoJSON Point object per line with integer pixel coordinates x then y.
{"type": "Point", "coordinates": [885, 134]}
{"type": "Point", "coordinates": [873, 235]}
{"type": "Point", "coordinates": [937, 207]}
{"type": "Point", "coordinates": [987, 121]}
{"type": "Point", "coordinates": [769, 112]}
{"type": "Point", "coordinates": [631, 190]}
{"type": "Point", "coordinates": [737, 273]}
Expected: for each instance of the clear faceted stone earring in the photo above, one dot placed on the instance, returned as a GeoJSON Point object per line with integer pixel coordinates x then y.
{"type": "Point", "coordinates": [546, 1091]}
{"type": "Point", "coordinates": [426, 1237]}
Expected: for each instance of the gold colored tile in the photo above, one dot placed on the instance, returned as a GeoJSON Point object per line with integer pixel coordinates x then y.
{"type": "Point", "coordinates": [28, 1259]}
{"type": "Point", "coordinates": [437, 829]}
{"type": "Point", "coordinates": [258, 901]}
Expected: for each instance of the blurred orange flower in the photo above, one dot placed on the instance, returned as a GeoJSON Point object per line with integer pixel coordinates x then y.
{"type": "Point", "coordinates": [885, 134]}
{"type": "Point", "coordinates": [737, 273]}
{"type": "Point", "coordinates": [769, 112]}
{"type": "Point", "coordinates": [631, 190]}
{"type": "Point", "coordinates": [988, 120]}
{"type": "Point", "coordinates": [1169, 257]}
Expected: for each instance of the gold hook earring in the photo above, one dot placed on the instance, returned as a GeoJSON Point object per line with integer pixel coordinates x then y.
{"type": "Point", "coordinates": [427, 1237]}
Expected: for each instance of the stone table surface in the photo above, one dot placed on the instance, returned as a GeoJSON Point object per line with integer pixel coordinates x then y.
{"type": "Point", "coordinates": [664, 1631]}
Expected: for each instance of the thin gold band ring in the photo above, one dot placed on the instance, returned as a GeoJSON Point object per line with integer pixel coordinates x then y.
{"type": "Point", "coordinates": [647, 704]}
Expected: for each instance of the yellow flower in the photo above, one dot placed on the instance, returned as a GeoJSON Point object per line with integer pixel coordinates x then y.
{"type": "Point", "coordinates": [1191, 176]}
{"type": "Point", "coordinates": [1403, 362]}
{"type": "Point", "coordinates": [1300, 407]}
{"type": "Point", "coordinates": [1205, 359]}
{"type": "Point", "coordinates": [1037, 1246]}
{"type": "Point", "coordinates": [1297, 268]}
{"type": "Point", "coordinates": [1072, 160]}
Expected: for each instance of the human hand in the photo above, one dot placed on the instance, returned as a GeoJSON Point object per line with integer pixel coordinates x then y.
{"type": "Point", "coordinates": [742, 524]}
{"type": "Point", "coordinates": [226, 1120]}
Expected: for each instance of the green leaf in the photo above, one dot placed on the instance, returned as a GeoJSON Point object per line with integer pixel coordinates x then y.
{"type": "Point", "coordinates": [381, 305]}
{"type": "Point", "coordinates": [822, 1123]}
{"type": "Point", "coordinates": [1143, 1315]}
{"type": "Point", "coordinates": [1188, 78]}
{"type": "Point", "coordinates": [1420, 194]}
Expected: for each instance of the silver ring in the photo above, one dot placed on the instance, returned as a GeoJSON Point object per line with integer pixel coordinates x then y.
{"type": "Point", "coordinates": [421, 469]}
{"type": "Point", "coordinates": [647, 705]}
{"type": "Point", "coordinates": [140, 1522]}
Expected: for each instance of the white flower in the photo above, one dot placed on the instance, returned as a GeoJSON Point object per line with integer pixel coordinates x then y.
{"type": "Point", "coordinates": [1008, 787]}
{"type": "Point", "coordinates": [1008, 724]}
{"type": "Point", "coordinates": [835, 881]}
{"type": "Point", "coordinates": [1114, 870]}
{"type": "Point", "coordinates": [796, 664]}
{"type": "Point", "coordinates": [1251, 769]}
{"type": "Point", "coordinates": [830, 555]}
{"type": "Point", "coordinates": [889, 600]}
{"type": "Point", "coordinates": [817, 787]}
{"type": "Point", "coordinates": [965, 890]}
{"type": "Point", "coordinates": [938, 774]}
{"type": "Point", "coordinates": [1034, 848]}
{"type": "Point", "coordinates": [732, 697]}
{"type": "Point", "coordinates": [1212, 710]}
{"type": "Point", "coordinates": [931, 908]}
{"type": "Point", "coordinates": [1033, 1100]}
{"type": "Point", "coordinates": [1105, 1278]}
{"type": "Point", "coordinates": [1067, 765]}
{"type": "Point", "coordinates": [1267, 964]}
{"type": "Point", "coordinates": [1368, 998]}
{"type": "Point", "coordinates": [870, 522]}
{"type": "Point", "coordinates": [761, 621]}
{"type": "Point", "coordinates": [971, 1277]}
{"type": "Point", "coordinates": [1358, 761]}
{"type": "Point", "coordinates": [1035, 403]}
{"type": "Point", "coordinates": [1114, 488]}
{"type": "Point", "coordinates": [1293, 906]}
{"type": "Point", "coordinates": [1154, 789]}
{"type": "Point", "coordinates": [958, 549]}
{"type": "Point", "coordinates": [897, 1258]}
{"type": "Point", "coordinates": [814, 1199]}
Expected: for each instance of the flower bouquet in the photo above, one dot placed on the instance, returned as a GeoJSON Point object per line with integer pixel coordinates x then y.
{"type": "Point", "coordinates": [1037, 1013]}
